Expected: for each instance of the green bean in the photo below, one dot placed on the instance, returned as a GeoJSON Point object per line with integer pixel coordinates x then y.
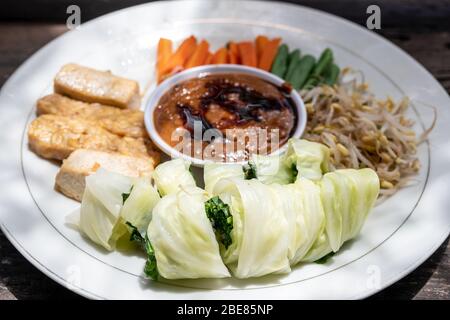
{"type": "Point", "coordinates": [302, 71]}
{"type": "Point", "coordinates": [294, 57]}
{"type": "Point", "coordinates": [331, 75]}
{"type": "Point", "coordinates": [325, 60]}
{"type": "Point", "coordinates": [279, 65]}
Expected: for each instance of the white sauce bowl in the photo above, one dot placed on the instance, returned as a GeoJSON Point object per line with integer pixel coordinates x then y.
{"type": "Point", "coordinates": [196, 72]}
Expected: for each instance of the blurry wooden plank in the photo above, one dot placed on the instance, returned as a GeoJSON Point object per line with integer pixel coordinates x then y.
{"type": "Point", "coordinates": [431, 49]}
{"type": "Point", "coordinates": [411, 14]}
{"type": "Point", "coordinates": [19, 279]}
{"type": "Point", "coordinates": [429, 281]}
{"type": "Point", "coordinates": [18, 41]}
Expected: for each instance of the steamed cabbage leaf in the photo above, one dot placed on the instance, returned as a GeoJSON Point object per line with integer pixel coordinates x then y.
{"type": "Point", "coordinates": [302, 208]}
{"type": "Point", "coordinates": [259, 235]}
{"type": "Point", "coordinates": [320, 248]}
{"type": "Point", "coordinates": [310, 159]}
{"type": "Point", "coordinates": [183, 239]}
{"type": "Point", "coordinates": [172, 175]}
{"type": "Point", "coordinates": [347, 196]}
{"type": "Point", "coordinates": [101, 206]}
{"type": "Point", "coordinates": [272, 169]}
{"type": "Point", "coordinates": [109, 201]}
{"type": "Point", "coordinates": [139, 203]}
{"type": "Point", "coordinates": [213, 172]}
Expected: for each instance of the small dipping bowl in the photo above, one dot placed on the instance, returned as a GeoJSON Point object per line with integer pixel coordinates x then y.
{"type": "Point", "coordinates": [201, 71]}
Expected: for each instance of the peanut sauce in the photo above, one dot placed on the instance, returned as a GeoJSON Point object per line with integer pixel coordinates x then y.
{"type": "Point", "coordinates": [226, 102]}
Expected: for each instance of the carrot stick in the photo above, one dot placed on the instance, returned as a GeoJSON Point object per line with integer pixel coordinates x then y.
{"type": "Point", "coordinates": [220, 56]}
{"type": "Point", "coordinates": [181, 55]}
{"type": "Point", "coordinates": [209, 58]}
{"type": "Point", "coordinates": [199, 56]}
{"type": "Point", "coordinates": [233, 53]}
{"type": "Point", "coordinates": [268, 54]}
{"type": "Point", "coordinates": [232, 57]}
{"type": "Point", "coordinates": [164, 52]}
{"type": "Point", "coordinates": [260, 42]}
{"type": "Point", "coordinates": [247, 51]}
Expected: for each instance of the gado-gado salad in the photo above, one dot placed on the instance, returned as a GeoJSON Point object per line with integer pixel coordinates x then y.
{"type": "Point", "coordinates": [325, 150]}
{"type": "Point", "coordinates": [245, 224]}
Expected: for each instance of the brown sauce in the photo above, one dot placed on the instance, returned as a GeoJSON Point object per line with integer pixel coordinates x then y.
{"type": "Point", "coordinates": [225, 103]}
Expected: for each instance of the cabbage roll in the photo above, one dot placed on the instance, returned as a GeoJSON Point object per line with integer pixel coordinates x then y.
{"type": "Point", "coordinates": [213, 172]}
{"type": "Point", "coordinates": [183, 239]}
{"type": "Point", "coordinates": [272, 169]}
{"type": "Point", "coordinates": [109, 201]}
{"type": "Point", "coordinates": [347, 196]}
{"type": "Point", "coordinates": [172, 175]}
{"type": "Point", "coordinates": [260, 231]}
{"type": "Point", "coordinates": [310, 159]}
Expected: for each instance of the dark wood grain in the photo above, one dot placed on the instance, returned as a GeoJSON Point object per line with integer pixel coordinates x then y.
{"type": "Point", "coordinates": [429, 43]}
{"type": "Point", "coordinates": [411, 14]}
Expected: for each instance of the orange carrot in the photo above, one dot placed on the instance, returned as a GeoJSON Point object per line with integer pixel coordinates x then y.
{"type": "Point", "coordinates": [163, 54]}
{"type": "Point", "coordinates": [247, 53]}
{"type": "Point", "coordinates": [209, 58]}
{"type": "Point", "coordinates": [233, 53]}
{"type": "Point", "coordinates": [199, 56]}
{"type": "Point", "coordinates": [268, 54]}
{"type": "Point", "coordinates": [183, 53]}
{"type": "Point", "coordinates": [260, 42]}
{"type": "Point", "coordinates": [220, 56]}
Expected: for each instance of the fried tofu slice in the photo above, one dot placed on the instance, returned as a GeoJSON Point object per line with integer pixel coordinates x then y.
{"type": "Point", "coordinates": [56, 137]}
{"type": "Point", "coordinates": [94, 86]}
{"type": "Point", "coordinates": [123, 122]}
{"type": "Point", "coordinates": [70, 179]}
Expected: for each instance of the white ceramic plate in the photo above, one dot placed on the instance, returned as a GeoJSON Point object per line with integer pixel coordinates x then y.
{"type": "Point", "coordinates": [398, 236]}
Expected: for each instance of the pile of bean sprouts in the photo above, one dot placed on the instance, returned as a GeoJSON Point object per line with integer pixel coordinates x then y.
{"type": "Point", "coordinates": [362, 131]}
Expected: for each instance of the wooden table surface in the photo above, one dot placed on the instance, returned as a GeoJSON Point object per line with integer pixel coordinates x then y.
{"type": "Point", "coordinates": [428, 41]}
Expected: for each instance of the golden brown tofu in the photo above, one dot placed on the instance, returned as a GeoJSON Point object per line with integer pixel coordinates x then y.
{"type": "Point", "coordinates": [123, 122]}
{"type": "Point", "coordinates": [70, 179]}
{"type": "Point", "coordinates": [56, 137]}
{"type": "Point", "coordinates": [94, 86]}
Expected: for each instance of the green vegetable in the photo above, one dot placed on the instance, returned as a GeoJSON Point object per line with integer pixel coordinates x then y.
{"type": "Point", "coordinates": [294, 58]}
{"type": "Point", "coordinates": [184, 240]}
{"type": "Point", "coordinates": [347, 197]}
{"type": "Point", "coordinates": [310, 159]}
{"type": "Point", "coordinates": [171, 176]}
{"type": "Point", "coordinates": [331, 74]}
{"type": "Point", "coordinates": [100, 211]}
{"type": "Point", "coordinates": [302, 208]}
{"type": "Point", "coordinates": [249, 171]}
{"type": "Point", "coordinates": [259, 232]}
{"type": "Point", "coordinates": [214, 172]}
{"type": "Point", "coordinates": [325, 258]}
{"type": "Point", "coordinates": [272, 169]}
{"type": "Point", "coordinates": [280, 64]}
{"type": "Point", "coordinates": [126, 195]}
{"type": "Point", "coordinates": [319, 249]}
{"type": "Point", "coordinates": [302, 71]}
{"type": "Point", "coordinates": [109, 200]}
{"type": "Point", "coordinates": [219, 214]}
{"type": "Point", "coordinates": [151, 268]}
{"type": "Point", "coordinates": [325, 60]}
{"type": "Point", "coordinates": [139, 204]}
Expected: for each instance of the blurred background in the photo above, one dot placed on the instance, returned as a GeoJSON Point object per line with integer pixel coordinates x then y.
{"type": "Point", "coordinates": [419, 15]}
{"type": "Point", "coordinates": [420, 27]}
